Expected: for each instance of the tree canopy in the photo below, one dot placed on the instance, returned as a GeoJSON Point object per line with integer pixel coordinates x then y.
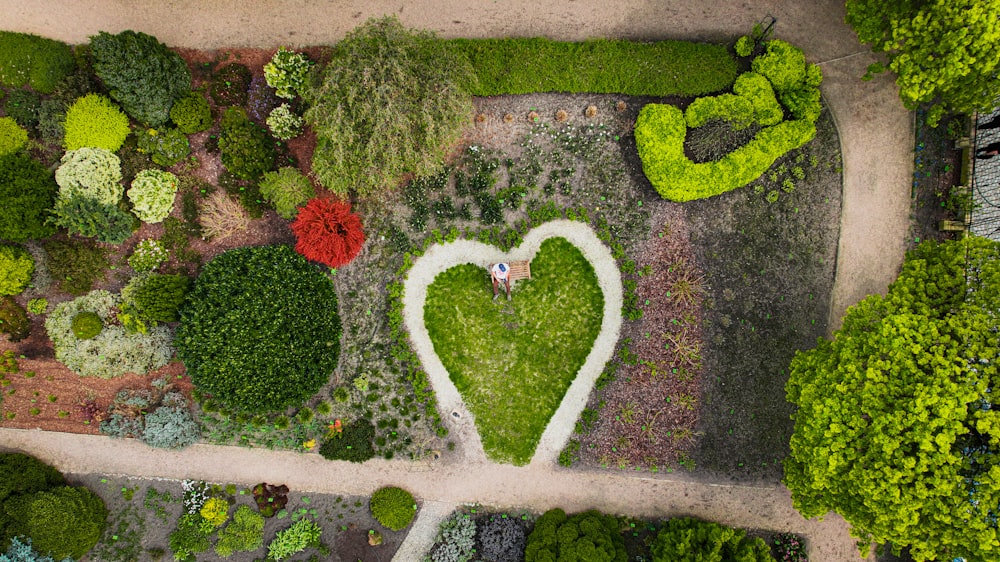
{"type": "Point", "coordinates": [942, 51]}
{"type": "Point", "coordinates": [896, 429]}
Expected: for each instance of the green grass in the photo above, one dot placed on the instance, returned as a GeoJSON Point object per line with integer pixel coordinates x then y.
{"type": "Point", "coordinates": [513, 361]}
{"type": "Point", "coordinates": [600, 66]}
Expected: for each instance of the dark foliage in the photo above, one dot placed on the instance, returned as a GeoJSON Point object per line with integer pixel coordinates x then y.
{"type": "Point", "coordinates": [230, 84]}
{"type": "Point", "coordinates": [27, 191]}
{"type": "Point", "coordinates": [354, 444]}
{"type": "Point", "coordinates": [589, 536]}
{"type": "Point", "coordinates": [13, 320]}
{"type": "Point", "coordinates": [24, 474]}
{"type": "Point", "coordinates": [75, 264]}
{"type": "Point", "coordinates": [159, 297]}
{"type": "Point", "coordinates": [270, 498]}
{"type": "Point", "coordinates": [501, 539]}
{"type": "Point", "coordinates": [246, 149]}
{"type": "Point", "coordinates": [93, 219]}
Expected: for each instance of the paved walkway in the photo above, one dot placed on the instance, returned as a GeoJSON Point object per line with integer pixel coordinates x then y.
{"type": "Point", "coordinates": [876, 135]}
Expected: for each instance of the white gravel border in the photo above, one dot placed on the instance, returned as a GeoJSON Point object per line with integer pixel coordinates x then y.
{"type": "Point", "coordinates": [441, 257]}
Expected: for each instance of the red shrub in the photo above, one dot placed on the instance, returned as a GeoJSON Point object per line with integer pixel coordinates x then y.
{"type": "Point", "coordinates": [328, 232]}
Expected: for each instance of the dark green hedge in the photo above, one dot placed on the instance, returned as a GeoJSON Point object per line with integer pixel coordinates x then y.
{"type": "Point", "coordinates": [662, 68]}
{"type": "Point", "coordinates": [259, 330]}
{"type": "Point", "coordinates": [27, 59]}
{"type": "Point", "coordinates": [27, 192]}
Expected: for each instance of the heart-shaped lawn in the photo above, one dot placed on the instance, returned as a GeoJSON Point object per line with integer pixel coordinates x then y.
{"type": "Point", "coordinates": [512, 362]}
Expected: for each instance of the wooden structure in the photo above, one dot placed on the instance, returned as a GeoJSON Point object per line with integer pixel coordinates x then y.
{"type": "Point", "coordinates": [518, 270]}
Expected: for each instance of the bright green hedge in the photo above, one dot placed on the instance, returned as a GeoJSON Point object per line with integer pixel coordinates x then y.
{"type": "Point", "coordinates": [16, 267]}
{"type": "Point", "coordinates": [96, 121]}
{"type": "Point", "coordinates": [259, 331]}
{"type": "Point", "coordinates": [659, 137]}
{"type": "Point", "coordinates": [394, 508]}
{"type": "Point", "coordinates": [13, 137]}
{"type": "Point", "coordinates": [662, 68]}
{"type": "Point", "coordinates": [27, 59]}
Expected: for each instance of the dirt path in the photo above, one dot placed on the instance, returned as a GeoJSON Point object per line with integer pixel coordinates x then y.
{"type": "Point", "coordinates": [876, 135]}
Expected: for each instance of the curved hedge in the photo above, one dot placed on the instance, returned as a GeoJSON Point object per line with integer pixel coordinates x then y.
{"type": "Point", "coordinates": [259, 331]}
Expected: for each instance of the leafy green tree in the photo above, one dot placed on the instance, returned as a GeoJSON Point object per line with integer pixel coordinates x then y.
{"type": "Point", "coordinates": [896, 429]}
{"type": "Point", "coordinates": [943, 52]}
{"type": "Point", "coordinates": [590, 536]}
{"type": "Point", "coordinates": [390, 102]}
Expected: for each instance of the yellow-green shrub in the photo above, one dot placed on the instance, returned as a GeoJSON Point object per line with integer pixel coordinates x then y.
{"type": "Point", "coordinates": [12, 136]}
{"type": "Point", "coordinates": [96, 121]}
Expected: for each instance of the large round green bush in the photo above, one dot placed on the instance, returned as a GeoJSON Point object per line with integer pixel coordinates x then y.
{"type": "Point", "coordinates": [393, 507]}
{"type": "Point", "coordinates": [63, 522]}
{"type": "Point", "coordinates": [260, 330]}
{"type": "Point", "coordinates": [12, 136]}
{"type": "Point", "coordinates": [590, 536]}
{"type": "Point", "coordinates": [152, 195]}
{"type": "Point", "coordinates": [28, 192]}
{"type": "Point", "coordinates": [96, 121]}
{"type": "Point", "coordinates": [16, 267]}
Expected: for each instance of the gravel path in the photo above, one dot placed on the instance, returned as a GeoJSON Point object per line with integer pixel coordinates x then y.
{"type": "Point", "coordinates": [441, 257]}
{"type": "Point", "coordinates": [877, 140]}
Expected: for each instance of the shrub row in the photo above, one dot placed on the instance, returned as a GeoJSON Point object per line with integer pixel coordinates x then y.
{"type": "Point", "coordinates": [662, 68]}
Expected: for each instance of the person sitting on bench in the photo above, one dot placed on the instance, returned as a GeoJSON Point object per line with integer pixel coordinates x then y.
{"type": "Point", "coordinates": [500, 274]}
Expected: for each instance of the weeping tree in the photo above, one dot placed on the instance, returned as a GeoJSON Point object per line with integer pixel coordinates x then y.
{"type": "Point", "coordinates": [390, 102]}
{"type": "Point", "coordinates": [896, 429]}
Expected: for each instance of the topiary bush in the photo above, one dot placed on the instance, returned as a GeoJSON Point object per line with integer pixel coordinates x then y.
{"type": "Point", "coordinates": [86, 325]}
{"type": "Point", "coordinates": [92, 218]}
{"type": "Point", "coordinates": [685, 539]}
{"type": "Point", "coordinates": [354, 443]}
{"type": "Point", "coordinates": [390, 102]}
{"type": "Point", "coordinates": [394, 508]}
{"type": "Point", "coordinates": [191, 113]}
{"type": "Point", "coordinates": [287, 72]}
{"type": "Point", "coordinates": [142, 74]}
{"type": "Point", "coordinates": [152, 195]}
{"type": "Point", "coordinates": [457, 538]}
{"type": "Point", "coordinates": [244, 534]}
{"type": "Point", "coordinates": [75, 264]}
{"type": "Point", "coordinates": [501, 539]}
{"type": "Point", "coordinates": [246, 150]}
{"type": "Point", "coordinates": [95, 121]}
{"type": "Point", "coordinates": [588, 536]}
{"type": "Point", "coordinates": [328, 232]}
{"type": "Point", "coordinates": [13, 320]}
{"type": "Point", "coordinates": [63, 521]}
{"type": "Point", "coordinates": [165, 146]}
{"type": "Point", "coordinates": [287, 189]}
{"type": "Point", "coordinates": [16, 267]}
{"type": "Point", "coordinates": [28, 191]}
{"type": "Point", "coordinates": [230, 84]}
{"type": "Point", "coordinates": [111, 353]}
{"type": "Point", "coordinates": [13, 137]}
{"type": "Point", "coordinates": [283, 123]}
{"type": "Point", "coordinates": [94, 173]}
{"type": "Point", "coordinates": [35, 61]}
{"type": "Point", "coordinates": [293, 347]}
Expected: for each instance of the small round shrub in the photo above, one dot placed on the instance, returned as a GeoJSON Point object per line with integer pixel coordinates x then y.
{"type": "Point", "coordinates": [354, 443]}
{"type": "Point", "coordinates": [244, 534]}
{"type": "Point", "coordinates": [111, 353]}
{"type": "Point", "coordinates": [86, 325]}
{"type": "Point", "coordinates": [28, 192]}
{"type": "Point", "coordinates": [394, 508]}
{"type": "Point", "coordinates": [91, 218]}
{"type": "Point", "coordinates": [13, 320]}
{"type": "Point", "coordinates": [191, 113]}
{"type": "Point", "coordinates": [152, 195]}
{"type": "Point", "coordinates": [38, 306]}
{"type": "Point", "coordinates": [744, 46]}
{"type": "Point", "coordinates": [95, 121]}
{"type": "Point", "coordinates": [246, 149]}
{"type": "Point", "coordinates": [13, 137]}
{"type": "Point", "coordinates": [230, 84]}
{"type": "Point", "coordinates": [328, 232]}
{"type": "Point", "coordinates": [90, 172]}
{"type": "Point", "coordinates": [291, 350]}
{"type": "Point", "coordinates": [148, 255]}
{"type": "Point", "coordinates": [287, 72]}
{"type": "Point", "coordinates": [16, 267]}
{"type": "Point", "coordinates": [165, 146]}
{"type": "Point", "coordinates": [287, 189]}
{"type": "Point", "coordinates": [63, 522]}
{"type": "Point", "coordinates": [283, 123]}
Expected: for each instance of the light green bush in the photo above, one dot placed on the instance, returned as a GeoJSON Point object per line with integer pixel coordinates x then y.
{"type": "Point", "coordinates": [95, 121]}
{"type": "Point", "coordinates": [728, 107]}
{"type": "Point", "coordinates": [13, 137]}
{"type": "Point", "coordinates": [303, 534]}
{"type": "Point", "coordinates": [111, 353]}
{"type": "Point", "coordinates": [287, 189]}
{"type": "Point", "coordinates": [244, 534]}
{"type": "Point", "coordinates": [90, 172]}
{"type": "Point", "coordinates": [148, 255]}
{"type": "Point", "coordinates": [287, 72]}
{"type": "Point", "coordinates": [191, 113]}
{"type": "Point", "coordinates": [685, 539]}
{"type": "Point", "coordinates": [62, 522]}
{"type": "Point", "coordinates": [744, 46]}
{"type": "Point", "coordinates": [754, 87]}
{"type": "Point", "coordinates": [152, 195]}
{"type": "Point", "coordinates": [16, 267]}
{"type": "Point", "coordinates": [86, 325]}
{"type": "Point", "coordinates": [783, 64]}
{"type": "Point", "coordinates": [165, 146]}
{"type": "Point", "coordinates": [283, 123]}
{"type": "Point", "coordinates": [659, 134]}
{"type": "Point", "coordinates": [394, 508]}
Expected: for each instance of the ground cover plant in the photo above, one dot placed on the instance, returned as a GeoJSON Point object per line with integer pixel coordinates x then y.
{"type": "Point", "coordinates": [27, 59]}
{"type": "Point", "coordinates": [513, 361]}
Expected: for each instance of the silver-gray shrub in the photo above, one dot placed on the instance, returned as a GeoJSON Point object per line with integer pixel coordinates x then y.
{"type": "Point", "coordinates": [170, 427]}
{"type": "Point", "coordinates": [457, 538]}
{"type": "Point", "coordinates": [111, 353]}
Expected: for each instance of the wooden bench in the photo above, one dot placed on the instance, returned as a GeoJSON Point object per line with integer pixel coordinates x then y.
{"type": "Point", "coordinates": [518, 270]}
